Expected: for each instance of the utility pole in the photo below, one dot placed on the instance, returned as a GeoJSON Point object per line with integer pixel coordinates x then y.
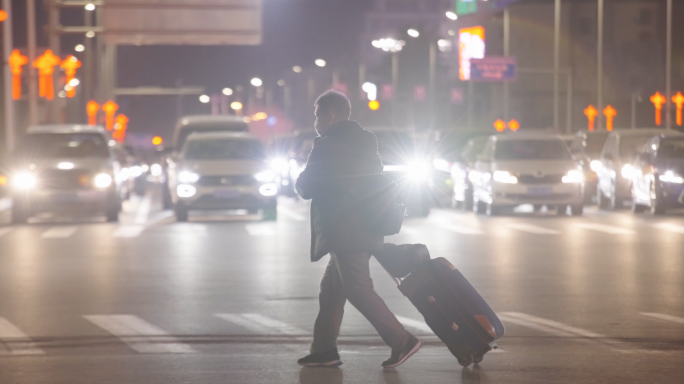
{"type": "Point", "coordinates": [32, 72]}
{"type": "Point", "coordinates": [55, 46]}
{"type": "Point", "coordinates": [556, 64]}
{"type": "Point", "coordinates": [599, 80]}
{"type": "Point", "coordinates": [507, 52]}
{"type": "Point", "coordinates": [7, 43]}
{"type": "Point", "coordinates": [432, 75]}
{"type": "Point", "coordinates": [668, 69]}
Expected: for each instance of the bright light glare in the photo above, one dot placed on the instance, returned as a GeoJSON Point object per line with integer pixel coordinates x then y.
{"type": "Point", "coordinates": [112, 143]}
{"type": "Point", "coordinates": [204, 99]}
{"type": "Point", "coordinates": [473, 176]}
{"type": "Point", "coordinates": [444, 45]}
{"type": "Point", "coordinates": [90, 34]}
{"type": "Point", "coordinates": [74, 82]}
{"type": "Point", "coordinates": [441, 165]}
{"type": "Point", "coordinates": [65, 165]}
{"type": "Point", "coordinates": [671, 177]}
{"type": "Point", "coordinates": [389, 44]}
{"type": "Point", "coordinates": [265, 176]}
{"type": "Point", "coordinates": [256, 82]}
{"type": "Point", "coordinates": [320, 62]}
{"type": "Point", "coordinates": [124, 174]}
{"type": "Point", "coordinates": [188, 177]}
{"type": "Point", "coordinates": [504, 177]}
{"type": "Point", "coordinates": [297, 69]}
{"type": "Point", "coordinates": [281, 82]}
{"type": "Point", "coordinates": [394, 168]}
{"type": "Point", "coordinates": [79, 48]}
{"type": "Point", "coordinates": [595, 165]}
{"type": "Point", "coordinates": [268, 190]}
{"type": "Point", "coordinates": [156, 170]}
{"type": "Point", "coordinates": [371, 90]}
{"type": "Point", "coordinates": [236, 105]}
{"type": "Point", "coordinates": [452, 15]}
{"type": "Point", "coordinates": [90, 7]}
{"type": "Point", "coordinates": [102, 180]}
{"type": "Point", "coordinates": [573, 176]}
{"type": "Point", "coordinates": [136, 171]}
{"type": "Point", "coordinates": [227, 91]}
{"type": "Point", "coordinates": [418, 170]}
{"type": "Point", "coordinates": [185, 190]}
{"type": "Point", "coordinates": [281, 166]}
{"type": "Point", "coordinates": [24, 180]}
{"type": "Point", "coordinates": [413, 32]}
{"type": "Point", "coordinates": [627, 171]}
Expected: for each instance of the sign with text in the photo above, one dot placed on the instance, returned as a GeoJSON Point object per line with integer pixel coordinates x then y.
{"type": "Point", "coordinates": [493, 68]}
{"type": "Point", "coordinates": [471, 45]}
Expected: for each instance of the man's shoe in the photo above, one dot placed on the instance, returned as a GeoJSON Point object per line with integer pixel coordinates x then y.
{"type": "Point", "coordinates": [398, 357]}
{"type": "Point", "coordinates": [328, 358]}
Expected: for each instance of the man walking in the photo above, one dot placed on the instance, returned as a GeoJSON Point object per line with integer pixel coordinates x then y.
{"type": "Point", "coordinates": [343, 156]}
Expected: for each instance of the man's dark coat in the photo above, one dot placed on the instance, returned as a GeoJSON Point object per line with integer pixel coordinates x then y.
{"type": "Point", "coordinates": [339, 161]}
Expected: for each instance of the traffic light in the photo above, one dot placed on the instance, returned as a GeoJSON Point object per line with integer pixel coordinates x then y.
{"type": "Point", "coordinates": [157, 140]}
{"type": "Point", "coordinates": [591, 112]}
{"type": "Point", "coordinates": [92, 108]}
{"type": "Point", "coordinates": [610, 113]}
{"type": "Point", "coordinates": [45, 64]}
{"type": "Point", "coordinates": [678, 100]}
{"type": "Point", "coordinates": [499, 125]}
{"type": "Point", "coordinates": [658, 100]}
{"type": "Point", "coordinates": [120, 128]}
{"type": "Point", "coordinates": [374, 105]}
{"type": "Point", "coordinates": [110, 109]}
{"type": "Point", "coordinates": [16, 61]}
{"type": "Point", "coordinates": [514, 125]}
{"type": "Point", "coordinates": [70, 65]}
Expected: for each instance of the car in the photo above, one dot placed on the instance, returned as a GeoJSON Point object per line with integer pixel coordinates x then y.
{"type": "Point", "coordinates": [526, 168]}
{"type": "Point", "coordinates": [408, 167]}
{"type": "Point", "coordinates": [460, 170]}
{"type": "Point", "coordinates": [187, 125]}
{"type": "Point", "coordinates": [586, 148]}
{"type": "Point", "coordinates": [614, 172]}
{"type": "Point", "coordinates": [221, 171]}
{"type": "Point", "coordinates": [658, 175]}
{"type": "Point", "coordinates": [64, 169]}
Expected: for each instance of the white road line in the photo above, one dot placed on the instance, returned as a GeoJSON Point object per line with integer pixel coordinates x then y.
{"type": "Point", "coordinates": [283, 328]}
{"type": "Point", "coordinates": [17, 341]}
{"type": "Point", "coordinates": [139, 334]}
{"type": "Point", "coordinates": [246, 323]}
{"type": "Point", "coordinates": [537, 230]}
{"type": "Point", "coordinates": [4, 231]}
{"type": "Point", "coordinates": [671, 227]}
{"type": "Point", "coordinates": [291, 213]}
{"type": "Point", "coordinates": [143, 210]}
{"type": "Point", "coordinates": [129, 231]}
{"type": "Point", "coordinates": [560, 327]}
{"type": "Point", "coordinates": [663, 316]}
{"type": "Point", "coordinates": [463, 230]}
{"type": "Point", "coordinates": [261, 229]}
{"type": "Point", "coordinates": [605, 229]}
{"type": "Point", "coordinates": [419, 325]}
{"type": "Point", "coordinates": [59, 232]}
{"type": "Point", "coordinates": [542, 328]}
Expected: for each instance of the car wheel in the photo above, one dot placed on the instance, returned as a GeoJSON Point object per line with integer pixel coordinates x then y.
{"type": "Point", "coordinates": [494, 210]}
{"type": "Point", "coordinates": [20, 214]}
{"type": "Point", "coordinates": [637, 208]}
{"type": "Point", "coordinates": [167, 202]}
{"type": "Point", "coordinates": [468, 201]}
{"type": "Point", "coordinates": [112, 215]}
{"type": "Point", "coordinates": [455, 203]}
{"type": "Point", "coordinates": [615, 202]}
{"type": "Point", "coordinates": [181, 213]}
{"type": "Point", "coordinates": [561, 210]}
{"type": "Point", "coordinates": [601, 199]}
{"type": "Point", "coordinates": [577, 210]}
{"type": "Point", "coordinates": [657, 207]}
{"type": "Point", "coordinates": [479, 207]}
{"type": "Point", "coordinates": [270, 212]}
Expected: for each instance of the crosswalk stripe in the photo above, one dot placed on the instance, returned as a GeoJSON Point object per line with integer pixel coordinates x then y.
{"type": "Point", "coordinates": [671, 227]}
{"type": "Point", "coordinates": [555, 327]}
{"type": "Point", "coordinates": [139, 334]}
{"type": "Point", "coordinates": [17, 341]}
{"type": "Point", "coordinates": [129, 231]}
{"type": "Point", "coordinates": [4, 231]}
{"type": "Point", "coordinates": [59, 232]}
{"type": "Point", "coordinates": [261, 324]}
{"type": "Point", "coordinates": [605, 229]}
{"type": "Point", "coordinates": [528, 324]}
{"type": "Point", "coordinates": [419, 325]}
{"type": "Point", "coordinates": [663, 316]}
{"type": "Point", "coordinates": [275, 324]}
{"type": "Point", "coordinates": [261, 229]}
{"type": "Point", "coordinates": [537, 230]}
{"type": "Point", "coordinates": [246, 323]}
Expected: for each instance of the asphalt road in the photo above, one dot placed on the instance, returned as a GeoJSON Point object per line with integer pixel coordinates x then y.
{"type": "Point", "coordinates": [593, 299]}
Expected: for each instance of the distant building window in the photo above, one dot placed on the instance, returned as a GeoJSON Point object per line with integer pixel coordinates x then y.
{"type": "Point", "coordinates": [645, 37]}
{"type": "Point", "coordinates": [645, 17]}
{"type": "Point", "coordinates": [585, 26]}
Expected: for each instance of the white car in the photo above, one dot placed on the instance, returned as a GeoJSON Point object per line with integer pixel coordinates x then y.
{"type": "Point", "coordinates": [515, 169]}
{"type": "Point", "coordinates": [221, 171]}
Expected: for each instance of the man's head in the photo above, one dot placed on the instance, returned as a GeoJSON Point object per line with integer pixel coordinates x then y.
{"type": "Point", "coordinates": [331, 108]}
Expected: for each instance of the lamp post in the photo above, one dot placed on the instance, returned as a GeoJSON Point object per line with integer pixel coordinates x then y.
{"type": "Point", "coordinates": [599, 77]}
{"type": "Point", "coordinates": [668, 68]}
{"type": "Point", "coordinates": [7, 73]}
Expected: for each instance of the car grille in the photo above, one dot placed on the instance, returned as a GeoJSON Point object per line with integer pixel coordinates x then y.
{"type": "Point", "coordinates": [226, 180]}
{"type": "Point", "coordinates": [65, 179]}
{"type": "Point", "coordinates": [544, 179]}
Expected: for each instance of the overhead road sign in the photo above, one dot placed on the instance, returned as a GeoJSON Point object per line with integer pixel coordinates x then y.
{"type": "Point", "coordinates": [182, 22]}
{"type": "Point", "coordinates": [493, 68]}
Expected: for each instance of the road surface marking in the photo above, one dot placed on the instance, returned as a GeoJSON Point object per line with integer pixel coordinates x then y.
{"type": "Point", "coordinates": [542, 328]}
{"type": "Point", "coordinates": [59, 232]}
{"type": "Point", "coordinates": [605, 229]}
{"type": "Point", "coordinates": [261, 324]}
{"type": "Point", "coordinates": [420, 325]}
{"type": "Point", "coordinates": [139, 334]}
{"type": "Point", "coordinates": [671, 227]}
{"type": "Point", "coordinates": [261, 229]}
{"type": "Point", "coordinates": [129, 231]}
{"type": "Point", "coordinates": [537, 230]}
{"type": "Point", "coordinates": [291, 213]}
{"type": "Point", "coordinates": [461, 228]}
{"type": "Point", "coordinates": [553, 327]}
{"type": "Point", "coordinates": [663, 316]}
{"type": "Point", "coordinates": [143, 210]}
{"type": "Point", "coordinates": [4, 231]}
{"type": "Point", "coordinates": [17, 341]}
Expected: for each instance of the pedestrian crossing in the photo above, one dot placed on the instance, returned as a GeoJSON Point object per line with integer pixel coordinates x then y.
{"type": "Point", "coordinates": [144, 337]}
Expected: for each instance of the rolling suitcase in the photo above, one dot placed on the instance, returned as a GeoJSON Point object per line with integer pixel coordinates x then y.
{"type": "Point", "coordinates": [453, 309]}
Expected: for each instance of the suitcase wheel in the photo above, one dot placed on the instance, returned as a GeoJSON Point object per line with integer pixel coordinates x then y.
{"type": "Point", "coordinates": [478, 359]}
{"type": "Point", "coordinates": [466, 360]}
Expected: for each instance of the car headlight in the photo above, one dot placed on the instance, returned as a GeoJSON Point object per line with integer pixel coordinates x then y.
{"type": "Point", "coordinates": [595, 165]}
{"type": "Point", "coordinates": [573, 176]}
{"type": "Point", "coordinates": [441, 165]}
{"type": "Point", "coordinates": [24, 180]}
{"type": "Point", "coordinates": [268, 190]}
{"type": "Point", "coordinates": [188, 177]}
{"type": "Point", "coordinates": [265, 176]}
{"type": "Point", "coordinates": [136, 171]}
{"type": "Point", "coordinates": [186, 190]}
{"type": "Point", "coordinates": [671, 177]}
{"type": "Point", "coordinates": [417, 170]}
{"type": "Point", "coordinates": [102, 180]}
{"type": "Point", "coordinates": [473, 176]}
{"type": "Point", "coordinates": [281, 166]}
{"type": "Point", "coordinates": [156, 170]}
{"type": "Point", "coordinates": [627, 171]}
{"type": "Point", "coordinates": [504, 177]}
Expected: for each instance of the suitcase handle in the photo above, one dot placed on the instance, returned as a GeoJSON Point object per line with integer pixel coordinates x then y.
{"type": "Point", "coordinates": [396, 279]}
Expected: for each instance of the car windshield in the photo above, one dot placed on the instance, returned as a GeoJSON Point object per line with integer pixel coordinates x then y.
{"type": "Point", "coordinates": [671, 149]}
{"type": "Point", "coordinates": [224, 149]}
{"type": "Point", "coordinates": [395, 147]}
{"type": "Point", "coordinates": [531, 150]}
{"type": "Point", "coordinates": [187, 130]}
{"type": "Point", "coordinates": [631, 145]}
{"type": "Point", "coordinates": [63, 145]}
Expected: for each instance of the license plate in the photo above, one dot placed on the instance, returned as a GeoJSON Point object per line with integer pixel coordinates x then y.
{"type": "Point", "coordinates": [64, 197]}
{"type": "Point", "coordinates": [226, 194]}
{"type": "Point", "coordinates": [540, 191]}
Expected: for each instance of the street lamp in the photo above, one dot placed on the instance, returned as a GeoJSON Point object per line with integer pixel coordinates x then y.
{"type": "Point", "coordinates": [256, 82]}
{"type": "Point", "coordinates": [413, 32]}
{"type": "Point", "coordinates": [297, 69]}
{"type": "Point", "coordinates": [320, 62]}
{"type": "Point", "coordinates": [394, 46]}
{"type": "Point", "coordinates": [79, 48]}
{"type": "Point", "coordinates": [227, 91]}
{"type": "Point", "coordinates": [451, 15]}
{"type": "Point", "coordinates": [90, 7]}
{"type": "Point", "coordinates": [204, 99]}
